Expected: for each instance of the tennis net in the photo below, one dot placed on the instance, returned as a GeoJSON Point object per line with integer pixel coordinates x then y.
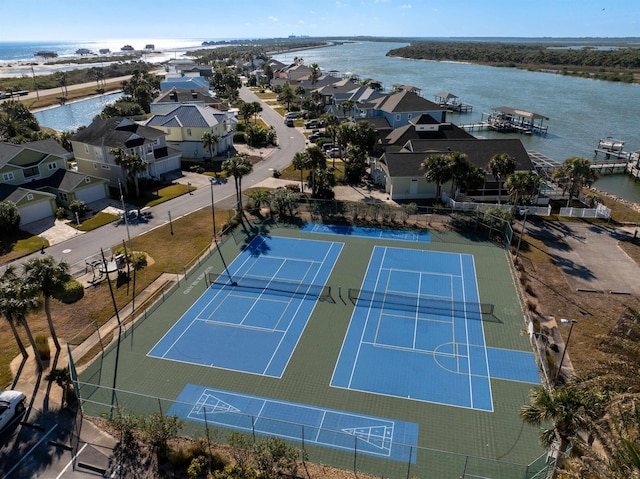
{"type": "Point", "coordinates": [409, 302]}
{"type": "Point", "coordinates": [271, 286]}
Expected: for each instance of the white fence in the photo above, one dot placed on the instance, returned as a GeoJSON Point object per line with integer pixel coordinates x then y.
{"type": "Point", "coordinates": [472, 206]}
{"type": "Point", "coordinates": [600, 211]}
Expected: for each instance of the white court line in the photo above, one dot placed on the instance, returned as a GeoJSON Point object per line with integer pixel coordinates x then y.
{"type": "Point", "coordinates": [71, 461]}
{"type": "Point", "coordinates": [25, 456]}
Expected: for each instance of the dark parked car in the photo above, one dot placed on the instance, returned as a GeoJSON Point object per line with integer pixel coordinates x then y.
{"type": "Point", "coordinates": [288, 121]}
{"type": "Point", "coordinates": [313, 137]}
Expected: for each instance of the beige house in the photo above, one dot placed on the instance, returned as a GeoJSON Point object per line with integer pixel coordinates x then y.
{"type": "Point", "coordinates": [185, 125]}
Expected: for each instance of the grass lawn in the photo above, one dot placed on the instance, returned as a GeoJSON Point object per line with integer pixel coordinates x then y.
{"type": "Point", "coordinates": [166, 252]}
{"type": "Point", "coordinates": [52, 100]}
{"type": "Point", "coordinates": [155, 197]}
{"type": "Point", "coordinates": [96, 221]}
{"type": "Point", "coordinates": [264, 94]}
{"type": "Point", "coordinates": [19, 244]}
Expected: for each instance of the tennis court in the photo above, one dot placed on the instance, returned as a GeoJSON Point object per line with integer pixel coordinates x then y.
{"type": "Point", "coordinates": [417, 332]}
{"type": "Point", "coordinates": [376, 351]}
{"type": "Point", "coordinates": [263, 302]}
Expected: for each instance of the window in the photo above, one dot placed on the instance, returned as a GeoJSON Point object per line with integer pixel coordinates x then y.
{"type": "Point", "coordinates": [87, 179]}
{"type": "Point", "coordinates": [52, 166]}
{"type": "Point", "coordinates": [29, 197]}
{"type": "Point", "coordinates": [7, 176]}
{"type": "Point", "coordinates": [105, 167]}
{"type": "Point", "coordinates": [86, 148]}
{"type": "Point", "coordinates": [95, 166]}
{"type": "Point", "coordinates": [409, 116]}
{"type": "Point", "coordinates": [63, 197]}
{"type": "Point", "coordinates": [30, 172]}
{"type": "Point", "coordinates": [398, 117]}
{"type": "Point", "coordinates": [188, 131]}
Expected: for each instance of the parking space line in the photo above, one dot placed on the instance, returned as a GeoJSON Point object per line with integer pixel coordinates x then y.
{"type": "Point", "coordinates": [71, 461]}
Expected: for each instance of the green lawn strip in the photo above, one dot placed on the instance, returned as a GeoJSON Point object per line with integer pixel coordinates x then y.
{"type": "Point", "coordinates": [155, 197]}
{"type": "Point", "coordinates": [96, 221]}
{"type": "Point", "coordinates": [19, 244]}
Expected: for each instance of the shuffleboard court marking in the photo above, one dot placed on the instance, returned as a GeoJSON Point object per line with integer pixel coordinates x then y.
{"type": "Point", "coordinates": [324, 427]}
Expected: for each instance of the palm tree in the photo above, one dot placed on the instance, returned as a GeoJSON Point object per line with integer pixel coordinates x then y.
{"type": "Point", "coordinates": [238, 166]}
{"type": "Point", "coordinates": [522, 184]}
{"type": "Point", "coordinates": [573, 174]}
{"type": "Point", "coordinates": [256, 108]}
{"type": "Point", "coordinates": [458, 165]}
{"type": "Point", "coordinates": [565, 407]}
{"type": "Point", "coordinates": [437, 169]}
{"type": "Point", "coordinates": [317, 162]}
{"type": "Point", "coordinates": [314, 75]}
{"type": "Point", "coordinates": [19, 297]}
{"type": "Point", "coordinates": [133, 164]}
{"type": "Point", "coordinates": [347, 107]}
{"type": "Point", "coordinates": [299, 162]}
{"type": "Point", "coordinates": [501, 166]}
{"type": "Point", "coordinates": [210, 141]}
{"type": "Point", "coordinates": [7, 290]}
{"type": "Point", "coordinates": [48, 275]}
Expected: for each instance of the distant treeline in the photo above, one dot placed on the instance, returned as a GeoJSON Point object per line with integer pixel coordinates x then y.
{"type": "Point", "coordinates": [526, 55]}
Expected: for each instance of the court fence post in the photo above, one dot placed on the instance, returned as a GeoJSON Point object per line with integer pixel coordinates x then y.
{"type": "Point", "coordinates": [409, 462]}
{"type": "Point", "coordinates": [355, 453]}
{"type": "Point", "coordinates": [253, 428]}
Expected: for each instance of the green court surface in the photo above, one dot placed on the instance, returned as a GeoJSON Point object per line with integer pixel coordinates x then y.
{"type": "Point", "coordinates": [452, 442]}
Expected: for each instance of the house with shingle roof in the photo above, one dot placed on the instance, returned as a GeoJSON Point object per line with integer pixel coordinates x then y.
{"type": "Point", "coordinates": [35, 177]}
{"type": "Point", "coordinates": [93, 146]}
{"type": "Point", "coordinates": [400, 167]}
{"type": "Point", "coordinates": [185, 125]}
{"type": "Point", "coordinates": [168, 100]}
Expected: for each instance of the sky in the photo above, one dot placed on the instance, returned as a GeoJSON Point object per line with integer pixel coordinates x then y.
{"type": "Point", "coordinates": [89, 20]}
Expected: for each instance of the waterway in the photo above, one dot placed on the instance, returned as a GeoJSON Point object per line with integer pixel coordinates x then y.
{"type": "Point", "coordinates": [580, 111]}
{"type": "Point", "coordinates": [71, 116]}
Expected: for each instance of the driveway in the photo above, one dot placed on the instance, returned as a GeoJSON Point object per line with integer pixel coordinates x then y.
{"type": "Point", "coordinates": [589, 256]}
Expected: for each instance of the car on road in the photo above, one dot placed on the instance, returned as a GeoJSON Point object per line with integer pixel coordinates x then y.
{"type": "Point", "coordinates": [12, 405]}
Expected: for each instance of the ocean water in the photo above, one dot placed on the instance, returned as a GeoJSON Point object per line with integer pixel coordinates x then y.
{"type": "Point", "coordinates": [23, 51]}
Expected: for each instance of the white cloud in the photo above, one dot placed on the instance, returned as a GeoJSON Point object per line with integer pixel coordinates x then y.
{"type": "Point", "coordinates": [406, 5]}
{"type": "Point", "coordinates": [272, 18]}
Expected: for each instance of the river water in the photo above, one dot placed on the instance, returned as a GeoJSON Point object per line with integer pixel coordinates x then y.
{"type": "Point", "coordinates": [75, 114]}
{"type": "Point", "coordinates": [580, 111]}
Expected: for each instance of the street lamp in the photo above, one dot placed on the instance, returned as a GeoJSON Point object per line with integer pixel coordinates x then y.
{"type": "Point", "coordinates": [564, 322]}
{"type": "Point", "coordinates": [213, 209]}
{"type": "Point", "coordinates": [524, 220]}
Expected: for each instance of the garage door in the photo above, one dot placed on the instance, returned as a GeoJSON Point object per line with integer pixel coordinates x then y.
{"type": "Point", "coordinates": [35, 212]}
{"type": "Point", "coordinates": [167, 165]}
{"type": "Point", "coordinates": [91, 194]}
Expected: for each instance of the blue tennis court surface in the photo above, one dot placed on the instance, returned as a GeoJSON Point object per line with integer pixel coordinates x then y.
{"type": "Point", "coordinates": [398, 235]}
{"type": "Point", "coordinates": [418, 333]}
{"type": "Point", "coordinates": [253, 329]}
{"type": "Point", "coordinates": [376, 436]}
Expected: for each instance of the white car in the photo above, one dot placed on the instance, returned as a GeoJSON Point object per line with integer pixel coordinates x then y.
{"type": "Point", "coordinates": [12, 405]}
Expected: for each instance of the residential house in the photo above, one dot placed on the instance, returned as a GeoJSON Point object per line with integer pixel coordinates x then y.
{"type": "Point", "coordinates": [168, 100]}
{"type": "Point", "coordinates": [185, 125]}
{"type": "Point", "coordinates": [192, 81]}
{"type": "Point", "coordinates": [35, 177]}
{"type": "Point", "coordinates": [400, 167]}
{"type": "Point", "coordinates": [93, 148]}
{"type": "Point", "coordinates": [400, 108]}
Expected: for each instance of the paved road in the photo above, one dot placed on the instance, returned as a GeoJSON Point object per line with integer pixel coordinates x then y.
{"type": "Point", "coordinates": [290, 141]}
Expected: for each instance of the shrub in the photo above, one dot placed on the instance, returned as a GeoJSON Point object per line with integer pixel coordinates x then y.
{"type": "Point", "coordinates": [70, 292]}
{"type": "Point", "coordinates": [276, 173]}
{"type": "Point", "coordinates": [78, 206]}
{"type": "Point", "coordinates": [61, 213]}
{"type": "Point", "coordinates": [139, 259]}
{"type": "Point", "coordinates": [9, 216]}
{"type": "Point", "coordinates": [42, 343]}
